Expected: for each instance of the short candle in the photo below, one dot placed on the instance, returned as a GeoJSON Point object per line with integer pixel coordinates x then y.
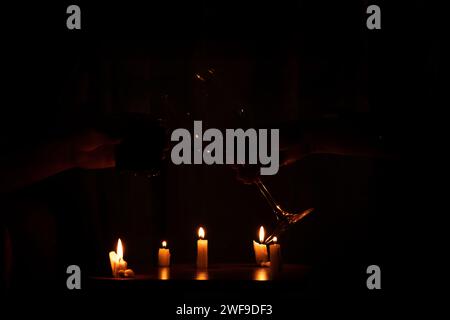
{"type": "Point", "coordinates": [164, 255]}
{"type": "Point", "coordinates": [275, 256]}
{"type": "Point", "coordinates": [260, 249]}
{"type": "Point", "coordinates": [118, 264]}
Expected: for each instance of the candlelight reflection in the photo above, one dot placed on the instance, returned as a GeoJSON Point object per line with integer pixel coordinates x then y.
{"type": "Point", "coordinates": [201, 275]}
{"type": "Point", "coordinates": [261, 274]}
{"type": "Point", "coordinates": [164, 273]}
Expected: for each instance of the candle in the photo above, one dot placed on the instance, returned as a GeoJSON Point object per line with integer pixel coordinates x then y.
{"type": "Point", "coordinates": [118, 264]}
{"type": "Point", "coordinates": [202, 250]}
{"type": "Point", "coordinates": [275, 256]}
{"type": "Point", "coordinates": [164, 255]}
{"type": "Point", "coordinates": [260, 249]}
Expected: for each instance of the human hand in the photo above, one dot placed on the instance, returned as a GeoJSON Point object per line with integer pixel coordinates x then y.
{"type": "Point", "coordinates": [91, 149]}
{"type": "Point", "coordinates": [249, 174]}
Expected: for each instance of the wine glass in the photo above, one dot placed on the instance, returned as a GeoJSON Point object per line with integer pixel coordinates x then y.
{"type": "Point", "coordinates": [284, 218]}
{"type": "Point", "coordinates": [245, 119]}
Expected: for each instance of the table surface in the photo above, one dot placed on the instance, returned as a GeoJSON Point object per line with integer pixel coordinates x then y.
{"type": "Point", "coordinates": [223, 272]}
{"type": "Point", "coordinates": [225, 281]}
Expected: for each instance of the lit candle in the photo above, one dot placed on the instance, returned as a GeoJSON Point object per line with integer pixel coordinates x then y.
{"type": "Point", "coordinates": [260, 249]}
{"type": "Point", "coordinates": [202, 250]}
{"type": "Point", "coordinates": [164, 255]}
{"type": "Point", "coordinates": [275, 256]}
{"type": "Point", "coordinates": [118, 264]}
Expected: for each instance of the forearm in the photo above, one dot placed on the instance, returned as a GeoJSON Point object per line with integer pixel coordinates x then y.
{"type": "Point", "coordinates": [345, 141]}
{"type": "Point", "coordinates": [28, 166]}
{"type": "Point", "coordinates": [351, 137]}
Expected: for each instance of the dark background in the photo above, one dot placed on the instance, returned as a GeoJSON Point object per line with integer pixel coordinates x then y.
{"type": "Point", "coordinates": [281, 61]}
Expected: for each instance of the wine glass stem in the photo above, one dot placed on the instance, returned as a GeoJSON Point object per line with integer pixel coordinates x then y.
{"type": "Point", "coordinates": [273, 204]}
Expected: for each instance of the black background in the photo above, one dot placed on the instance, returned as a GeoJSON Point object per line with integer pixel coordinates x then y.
{"type": "Point", "coordinates": [282, 61]}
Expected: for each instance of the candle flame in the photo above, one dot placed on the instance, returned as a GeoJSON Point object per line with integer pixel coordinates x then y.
{"type": "Point", "coordinates": [261, 234]}
{"type": "Point", "coordinates": [201, 233]}
{"type": "Point", "coordinates": [275, 239]}
{"type": "Point", "coordinates": [164, 244]}
{"type": "Point", "coordinates": [119, 249]}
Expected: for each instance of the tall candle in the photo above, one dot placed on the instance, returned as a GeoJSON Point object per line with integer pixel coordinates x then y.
{"type": "Point", "coordinates": [275, 256]}
{"type": "Point", "coordinates": [164, 255]}
{"type": "Point", "coordinates": [260, 249]}
{"type": "Point", "coordinates": [202, 250]}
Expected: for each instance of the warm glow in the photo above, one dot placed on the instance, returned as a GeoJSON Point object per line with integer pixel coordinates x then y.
{"type": "Point", "coordinates": [201, 275]}
{"type": "Point", "coordinates": [201, 233]}
{"type": "Point", "coordinates": [261, 274]}
{"type": "Point", "coordinates": [261, 234]}
{"type": "Point", "coordinates": [164, 244]}
{"type": "Point", "coordinates": [164, 273]}
{"type": "Point", "coordinates": [275, 239]}
{"type": "Point", "coordinates": [119, 249]}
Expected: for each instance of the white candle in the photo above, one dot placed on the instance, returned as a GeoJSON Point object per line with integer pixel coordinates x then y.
{"type": "Point", "coordinates": [164, 255]}
{"type": "Point", "coordinates": [113, 260]}
{"type": "Point", "coordinates": [275, 256]}
{"type": "Point", "coordinates": [202, 250]}
{"type": "Point", "coordinates": [260, 249]}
